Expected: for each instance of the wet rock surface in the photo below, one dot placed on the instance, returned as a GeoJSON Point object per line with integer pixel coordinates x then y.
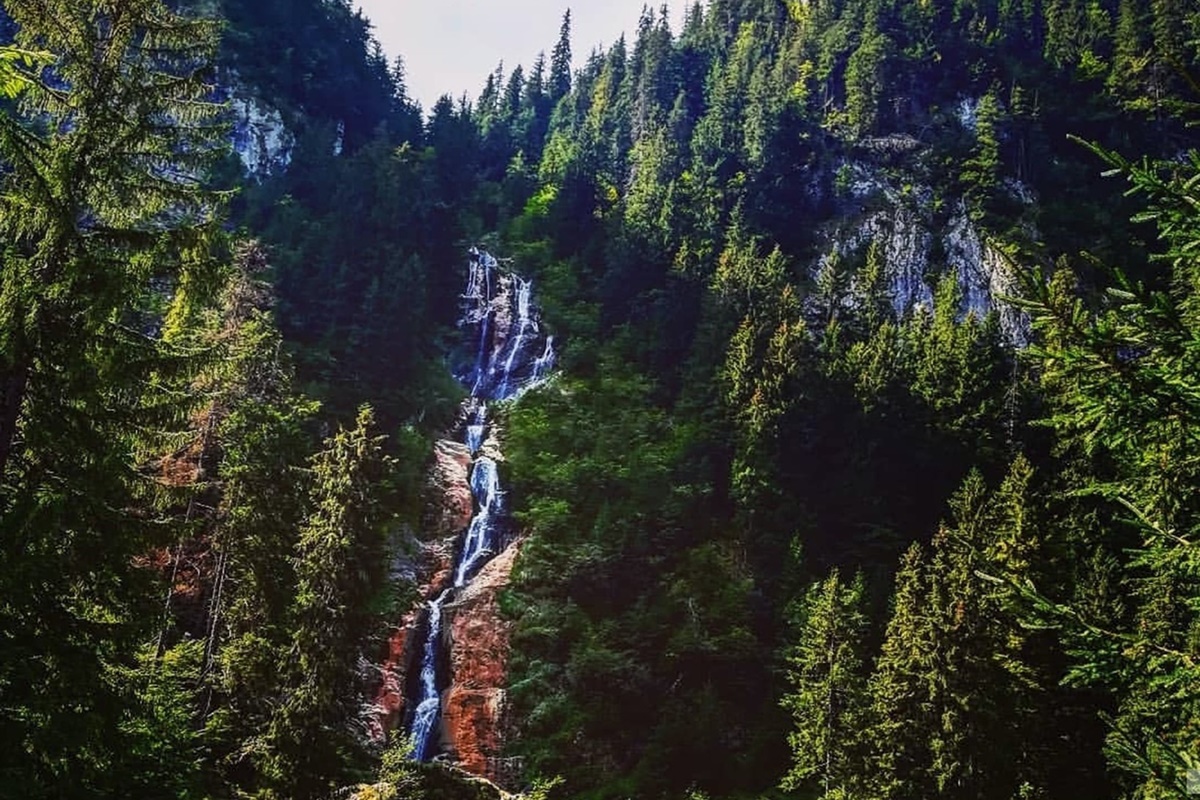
{"type": "Point", "coordinates": [443, 678]}
{"type": "Point", "coordinates": [434, 571]}
{"type": "Point", "coordinates": [473, 718]}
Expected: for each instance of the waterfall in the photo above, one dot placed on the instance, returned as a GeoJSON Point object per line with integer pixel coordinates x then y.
{"type": "Point", "coordinates": [523, 325]}
{"type": "Point", "coordinates": [476, 428]}
{"type": "Point", "coordinates": [481, 534]}
{"type": "Point", "coordinates": [426, 715]}
{"type": "Point", "coordinates": [545, 362]}
{"type": "Point", "coordinates": [502, 368]}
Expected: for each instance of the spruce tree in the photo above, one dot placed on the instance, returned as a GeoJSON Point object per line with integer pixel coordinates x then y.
{"type": "Point", "coordinates": [900, 717]}
{"type": "Point", "coordinates": [99, 172]}
{"type": "Point", "coordinates": [981, 172]}
{"type": "Point", "coordinates": [260, 426]}
{"type": "Point", "coordinates": [827, 701]}
{"type": "Point", "coordinates": [954, 693]}
{"type": "Point", "coordinates": [106, 226]}
{"type": "Point", "coordinates": [340, 567]}
{"type": "Point", "coordinates": [1125, 403]}
{"type": "Point", "coordinates": [866, 80]}
{"type": "Point", "coordinates": [560, 62]}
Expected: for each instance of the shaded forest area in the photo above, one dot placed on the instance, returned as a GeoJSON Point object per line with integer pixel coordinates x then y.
{"type": "Point", "coordinates": [870, 471]}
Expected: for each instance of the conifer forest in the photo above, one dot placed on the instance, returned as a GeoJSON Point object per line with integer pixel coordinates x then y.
{"type": "Point", "coordinates": [801, 402]}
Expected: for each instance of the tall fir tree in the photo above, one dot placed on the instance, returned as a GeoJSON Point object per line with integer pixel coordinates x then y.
{"type": "Point", "coordinates": [828, 697]}
{"type": "Point", "coordinates": [340, 567]}
{"type": "Point", "coordinates": [560, 62]}
{"type": "Point", "coordinates": [1125, 401]}
{"type": "Point", "coordinates": [107, 257]}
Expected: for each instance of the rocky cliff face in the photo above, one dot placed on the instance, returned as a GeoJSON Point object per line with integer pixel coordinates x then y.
{"type": "Point", "coordinates": [474, 723]}
{"type": "Point", "coordinates": [443, 680]}
{"type": "Point", "coordinates": [448, 500]}
{"type": "Point", "coordinates": [433, 568]}
{"type": "Point", "coordinates": [920, 242]}
{"type": "Point", "coordinates": [259, 135]}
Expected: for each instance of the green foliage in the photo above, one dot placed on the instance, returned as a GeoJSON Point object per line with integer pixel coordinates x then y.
{"type": "Point", "coordinates": [825, 669]}
{"type": "Point", "coordinates": [102, 216]}
{"type": "Point", "coordinates": [1125, 404]}
{"type": "Point", "coordinates": [981, 172]}
{"type": "Point", "coordinates": [317, 61]}
{"type": "Point", "coordinates": [743, 381]}
{"type": "Point", "coordinates": [17, 69]}
{"type": "Point", "coordinates": [340, 566]}
{"type": "Point", "coordinates": [560, 62]}
{"type": "Point", "coordinates": [865, 82]}
{"type": "Point", "coordinates": [955, 697]}
{"type": "Point", "coordinates": [633, 617]}
{"type": "Point", "coordinates": [165, 743]}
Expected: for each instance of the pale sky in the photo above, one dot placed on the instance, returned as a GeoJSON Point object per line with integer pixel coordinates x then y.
{"type": "Point", "coordinates": [452, 45]}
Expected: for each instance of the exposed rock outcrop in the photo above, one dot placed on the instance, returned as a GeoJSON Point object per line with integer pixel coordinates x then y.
{"type": "Point", "coordinates": [449, 504]}
{"type": "Point", "coordinates": [448, 660]}
{"type": "Point", "coordinates": [259, 136]}
{"type": "Point", "coordinates": [502, 314]}
{"type": "Point", "coordinates": [918, 245]}
{"type": "Point", "coordinates": [434, 572]}
{"type": "Point", "coordinates": [449, 492]}
{"type": "Point", "coordinates": [473, 717]}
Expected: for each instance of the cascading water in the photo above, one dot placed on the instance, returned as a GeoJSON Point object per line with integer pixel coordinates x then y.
{"type": "Point", "coordinates": [426, 716]}
{"type": "Point", "coordinates": [476, 428]}
{"type": "Point", "coordinates": [511, 356]}
{"type": "Point", "coordinates": [545, 362]}
{"type": "Point", "coordinates": [481, 534]}
{"type": "Point", "coordinates": [523, 289]}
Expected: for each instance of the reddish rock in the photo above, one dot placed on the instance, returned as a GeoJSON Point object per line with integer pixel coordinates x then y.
{"type": "Point", "coordinates": [434, 574]}
{"type": "Point", "coordinates": [449, 492]}
{"type": "Point", "coordinates": [437, 568]}
{"type": "Point", "coordinates": [476, 635]}
{"type": "Point", "coordinates": [472, 717]}
{"type": "Point", "coordinates": [387, 711]}
{"type": "Point", "coordinates": [473, 709]}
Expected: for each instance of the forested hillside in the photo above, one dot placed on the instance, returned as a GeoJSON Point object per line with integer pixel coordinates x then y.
{"type": "Point", "coordinates": [862, 479]}
{"type": "Point", "coordinates": [869, 468]}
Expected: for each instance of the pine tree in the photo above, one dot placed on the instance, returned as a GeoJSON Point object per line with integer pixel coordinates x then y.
{"type": "Point", "coordinates": [981, 171]}
{"type": "Point", "coordinates": [866, 81]}
{"type": "Point", "coordinates": [340, 568]}
{"type": "Point", "coordinates": [954, 692]}
{"type": "Point", "coordinates": [1125, 401]}
{"type": "Point", "coordinates": [406, 112]}
{"type": "Point", "coordinates": [513, 91]}
{"type": "Point", "coordinates": [986, 744]}
{"type": "Point", "coordinates": [560, 62]}
{"type": "Point", "coordinates": [828, 680]}
{"type": "Point", "coordinates": [105, 225]}
{"type": "Point", "coordinates": [260, 426]}
{"type": "Point", "coordinates": [871, 288]}
{"type": "Point", "coordinates": [74, 231]}
{"type": "Point", "coordinates": [900, 718]}
{"type": "Point", "coordinates": [535, 85]}
{"type": "Point", "coordinates": [1130, 58]}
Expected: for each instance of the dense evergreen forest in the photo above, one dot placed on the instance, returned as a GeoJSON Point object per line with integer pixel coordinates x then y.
{"type": "Point", "coordinates": [869, 471]}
